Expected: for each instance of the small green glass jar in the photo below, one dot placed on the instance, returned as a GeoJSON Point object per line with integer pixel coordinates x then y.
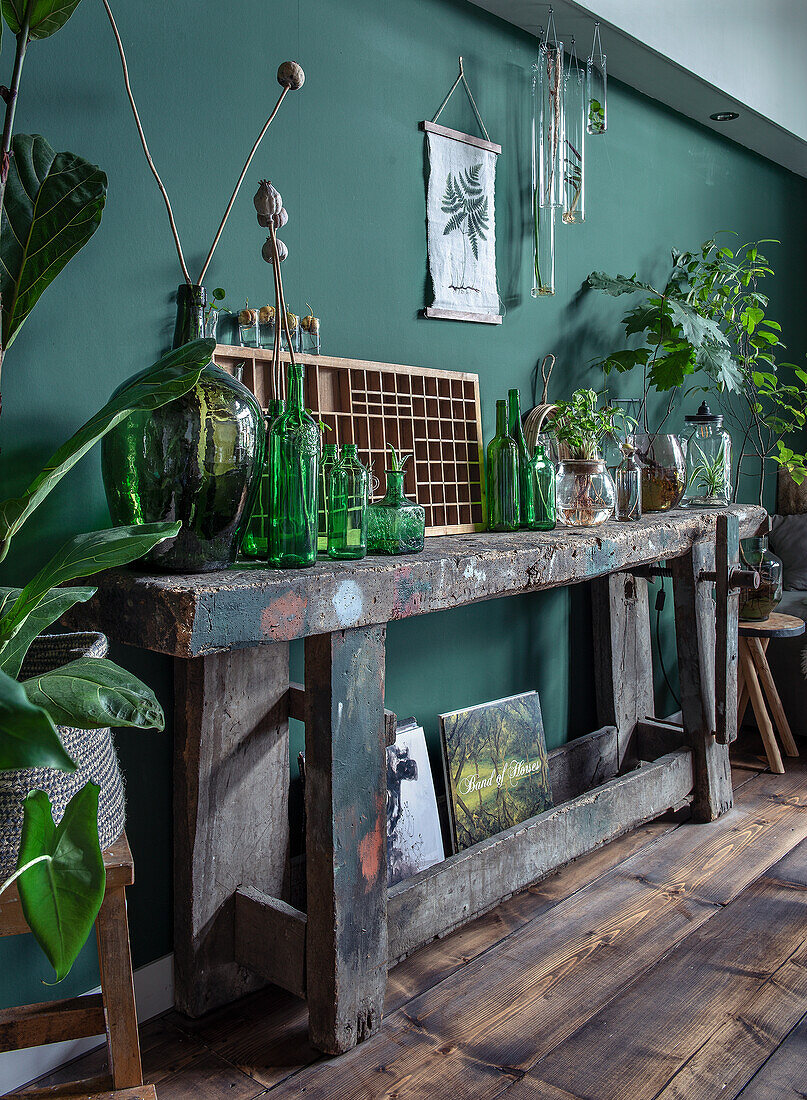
{"type": "Point", "coordinates": [502, 476]}
{"type": "Point", "coordinates": [330, 456]}
{"type": "Point", "coordinates": [395, 525]}
{"type": "Point", "coordinates": [541, 482]}
{"type": "Point", "coordinates": [293, 448]}
{"type": "Point", "coordinates": [348, 492]}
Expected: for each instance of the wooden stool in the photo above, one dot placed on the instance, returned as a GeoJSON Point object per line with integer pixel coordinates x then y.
{"type": "Point", "coordinates": [112, 1011]}
{"type": "Point", "coordinates": [755, 682]}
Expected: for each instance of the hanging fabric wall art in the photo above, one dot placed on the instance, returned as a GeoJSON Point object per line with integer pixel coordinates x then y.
{"type": "Point", "coordinates": [461, 220]}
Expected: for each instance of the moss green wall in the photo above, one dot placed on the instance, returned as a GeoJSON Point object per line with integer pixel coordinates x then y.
{"type": "Point", "coordinates": [347, 156]}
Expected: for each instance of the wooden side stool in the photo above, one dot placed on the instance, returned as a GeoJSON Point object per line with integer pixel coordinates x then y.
{"type": "Point", "coordinates": [110, 1012]}
{"type": "Point", "coordinates": [755, 682]}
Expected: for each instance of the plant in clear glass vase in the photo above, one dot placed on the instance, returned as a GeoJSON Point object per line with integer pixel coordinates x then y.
{"type": "Point", "coordinates": [585, 492]}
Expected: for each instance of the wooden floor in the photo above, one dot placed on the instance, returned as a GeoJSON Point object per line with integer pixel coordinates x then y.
{"type": "Point", "coordinates": [669, 964]}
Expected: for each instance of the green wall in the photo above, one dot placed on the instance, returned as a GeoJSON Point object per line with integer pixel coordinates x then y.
{"type": "Point", "coordinates": [346, 155]}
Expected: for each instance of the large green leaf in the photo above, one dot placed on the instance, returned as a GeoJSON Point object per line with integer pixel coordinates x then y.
{"type": "Point", "coordinates": [61, 896]}
{"type": "Point", "coordinates": [47, 16]}
{"type": "Point", "coordinates": [91, 693]}
{"type": "Point", "coordinates": [52, 607]}
{"type": "Point", "coordinates": [81, 556]}
{"type": "Point", "coordinates": [52, 206]}
{"type": "Point", "coordinates": [28, 737]}
{"type": "Point", "coordinates": [617, 284]}
{"type": "Point", "coordinates": [169, 378]}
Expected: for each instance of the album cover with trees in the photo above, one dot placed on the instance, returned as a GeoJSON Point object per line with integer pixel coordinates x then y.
{"type": "Point", "coordinates": [497, 773]}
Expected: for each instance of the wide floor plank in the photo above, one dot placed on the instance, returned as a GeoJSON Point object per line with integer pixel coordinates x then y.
{"type": "Point", "coordinates": [784, 1075]}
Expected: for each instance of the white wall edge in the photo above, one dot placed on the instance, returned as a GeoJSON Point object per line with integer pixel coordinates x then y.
{"type": "Point", "coordinates": [154, 992]}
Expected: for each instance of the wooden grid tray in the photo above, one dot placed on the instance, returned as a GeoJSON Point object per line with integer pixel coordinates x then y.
{"type": "Point", "coordinates": [432, 414]}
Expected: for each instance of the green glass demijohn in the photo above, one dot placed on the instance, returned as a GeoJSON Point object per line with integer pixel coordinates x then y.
{"type": "Point", "coordinates": [348, 495]}
{"type": "Point", "coordinates": [255, 543]}
{"type": "Point", "coordinates": [515, 429]}
{"type": "Point", "coordinates": [330, 456]}
{"type": "Point", "coordinates": [395, 524]}
{"type": "Point", "coordinates": [502, 476]}
{"type": "Point", "coordinates": [197, 460]}
{"type": "Point", "coordinates": [293, 459]}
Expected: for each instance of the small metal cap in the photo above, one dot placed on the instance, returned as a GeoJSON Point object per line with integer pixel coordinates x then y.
{"type": "Point", "coordinates": [704, 415]}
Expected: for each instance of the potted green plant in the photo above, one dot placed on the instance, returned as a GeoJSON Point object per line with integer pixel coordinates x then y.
{"type": "Point", "coordinates": [584, 492]}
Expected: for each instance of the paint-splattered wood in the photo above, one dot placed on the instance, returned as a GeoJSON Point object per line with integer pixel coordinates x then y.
{"type": "Point", "coordinates": [192, 615]}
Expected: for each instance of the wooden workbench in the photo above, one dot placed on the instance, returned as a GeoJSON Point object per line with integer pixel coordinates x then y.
{"type": "Point", "coordinates": [229, 633]}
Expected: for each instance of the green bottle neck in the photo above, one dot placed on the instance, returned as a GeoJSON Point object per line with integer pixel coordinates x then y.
{"type": "Point", "coordinates": [514, 411]}
{"type": "Point", "coordinates": [395, 487]}
{"type": "Point", "coordinates": [191, 302]}
{"type": "Point", "coordinates": [501, 418]}
{"type": "Point", "coordinates": [296, 388]}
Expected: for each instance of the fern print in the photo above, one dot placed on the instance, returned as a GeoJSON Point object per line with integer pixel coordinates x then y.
{"type": "Point", "coordinates": [467, 207]}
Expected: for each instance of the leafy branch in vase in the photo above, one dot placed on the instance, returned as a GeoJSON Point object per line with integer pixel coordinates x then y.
{"type": "Point", "coordinates": [467, 206]}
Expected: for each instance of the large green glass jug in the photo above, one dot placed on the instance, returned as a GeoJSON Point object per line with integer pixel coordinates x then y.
{"type": "Point", "coordinates": [196, 459]}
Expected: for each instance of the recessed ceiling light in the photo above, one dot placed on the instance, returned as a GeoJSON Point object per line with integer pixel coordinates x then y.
{"type": "Point", "coordinates": [724, 116]}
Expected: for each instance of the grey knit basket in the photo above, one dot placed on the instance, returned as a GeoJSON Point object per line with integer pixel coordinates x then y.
{"type": "Point", "coordinates": [92, 750]}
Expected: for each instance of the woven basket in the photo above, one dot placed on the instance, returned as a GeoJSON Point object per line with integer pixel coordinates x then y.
{"type": "Point", "coordinates": [92, 750]}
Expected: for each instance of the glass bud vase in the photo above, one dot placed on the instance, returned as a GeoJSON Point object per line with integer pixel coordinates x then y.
{"type": "Point", "coordinates": [541, 481]}
{"type": "Point", "coordinates": [330, 456]}
{"type": "Point", "coordinates": [585, 492]}
{"type": "Point", "coordinates": [628, 479]}
{"type": "Point", "coordinates": [293, 445]}
{"type": "Point", "coordinates": [196, 459]}
{"type": "Point", "coordinates": [502, 476]}
{"type": "Point", "coordinates": [515, 429]}
{"type": "Point", "coordinates": [757, 604]}
{"type": "Point", "coordinates": [395, 524]}
{"type": "Point", "coordinates": [348, 498]}
{"type": "Point", "coordinates": [255, 543]}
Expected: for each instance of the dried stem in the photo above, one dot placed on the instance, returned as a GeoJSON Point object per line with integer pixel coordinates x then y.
{"type": "Point", "coordinates": [280, 286]}
{"type": "Point", "coordinates": [237, 188]}
{"type": "Point", "coordinates": [144, 143]}
{"type": "Point", "coordinates": [276, 379]}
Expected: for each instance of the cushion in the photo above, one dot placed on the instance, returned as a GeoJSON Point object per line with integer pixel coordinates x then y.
{"type": "Point", "coordinates": [788, 541]}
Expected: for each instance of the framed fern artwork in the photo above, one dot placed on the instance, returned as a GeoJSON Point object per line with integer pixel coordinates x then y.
{"type": "Point", "coordinates": [461, 225]}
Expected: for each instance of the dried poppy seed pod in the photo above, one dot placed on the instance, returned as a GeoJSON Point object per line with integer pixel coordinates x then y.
{"type": "Point", "coordinates": [290, 75]}
{"type": "Point", "coordinates": [268, 252]}
{"type": "Point", "coordinates": [280, 218]}
{"type": "Point", "coordinates": [267, 200]}
{"type": "Point", "coordinates": [266, 314]}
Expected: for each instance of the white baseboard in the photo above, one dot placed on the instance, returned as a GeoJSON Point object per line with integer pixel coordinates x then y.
{"type": "Point", "coordinates": [154, 990]}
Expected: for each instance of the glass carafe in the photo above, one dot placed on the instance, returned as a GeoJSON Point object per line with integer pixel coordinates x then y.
{"type": "Point", "coordinates": [294, 440]}
{"type": "Point", "coordinates": [395, 524]}
{"type": "Point", "coordinates": [348, 491]}
{"type": "Point", "coordinates": [502, 476]}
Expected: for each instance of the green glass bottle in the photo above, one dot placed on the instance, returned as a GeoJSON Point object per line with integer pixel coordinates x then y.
{"type": "Point", "coordinates": [525, 505]}
{"type": "Point", "coordinates": [293, 446]}
{"type": "Point", "coordinates": [395, 524]}
{"type": "Point", "coordinates": [255, 544]}
{"type": "Point", "coordinates": [502, 476]}
{"type": "Point", "coordinates": [330, 456]}
{"type": "Point", "coordinates": [348, 490]}
{"type": "Point", "coordinates": [542, 490]}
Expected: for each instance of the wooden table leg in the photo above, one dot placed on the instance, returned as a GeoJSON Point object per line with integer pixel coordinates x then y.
{"type": "Point", "coordinates": [346, 836]}
{"type": "Point", "coordinates": [742, 690]}
{"type": "Point", "coordinates": [760, 710]}
{"type": "Point", "coordinates": [760, 659]}
{"type": "Point", "coordinates": [117, 985]}
{"type": "Point", "coordinates": [231, 820]}
{"type": "Point", "coordinates": [695, 641]}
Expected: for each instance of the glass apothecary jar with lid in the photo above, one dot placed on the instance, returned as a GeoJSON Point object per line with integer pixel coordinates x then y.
{"type": "Point", "coordinates": [708, 453]}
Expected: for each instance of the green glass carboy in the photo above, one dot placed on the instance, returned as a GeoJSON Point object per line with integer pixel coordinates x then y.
{"type": "Point", "coordinates": [348, 491]}
{"type": "Point", "coordinates": [502, 476]}
{"type": "Point", "coordinates": [395, 523]}
{"type": "Point", "coordinates": [293, 460]}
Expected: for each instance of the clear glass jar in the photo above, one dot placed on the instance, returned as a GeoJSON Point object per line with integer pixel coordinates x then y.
{"type": "Point", "coordinates": [664, 470]}
{"type": "Point", "coordinates": [266, 326]}
{"type": "Point", "coordinates": [541, 479]}
{"type": "Point", "coordinates": [348, 495]}
{"type": "Point", "coordinates": [708, 451]}
{"type": "Point", "coordinates": [585, 493]}
{"type": "Point", "coordinates": [757, 604]}
{"type": "Point", "coordinates": [628, 479]}
{"type": "Point", "coordinates": [502, 476]}
{"type": "Point", "coordinates": [248, 327]}
{"type": "Point", "coordinates": [395, 524]}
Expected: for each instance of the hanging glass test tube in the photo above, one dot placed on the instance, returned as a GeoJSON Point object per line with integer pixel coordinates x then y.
{"type": "Point", "coordinates": [547, 141]}
{"type": "Point", "coordinates": [574, 109]}
{"type": "Point", "coordinates": [544, 251]}
{"type": "Point", "coordinates": [596, 87]}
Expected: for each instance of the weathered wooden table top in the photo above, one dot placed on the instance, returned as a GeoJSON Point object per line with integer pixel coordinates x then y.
{"type": "Point", "coordinates": [193, 615]}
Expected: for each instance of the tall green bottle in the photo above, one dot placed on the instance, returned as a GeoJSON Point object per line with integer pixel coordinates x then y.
{"type": "Point", "coordinates": [348, 498]}
{"type": "Point", "coordinates": [293, 448]}
{"type": "Point", "coordinates": [502, 476]}
{"type": "Point", "coordinates": [526, 508]}
{"type": "Point", "coordinates": [330, 456]}
{"type": "Point", "coordinates": [255, 544]}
